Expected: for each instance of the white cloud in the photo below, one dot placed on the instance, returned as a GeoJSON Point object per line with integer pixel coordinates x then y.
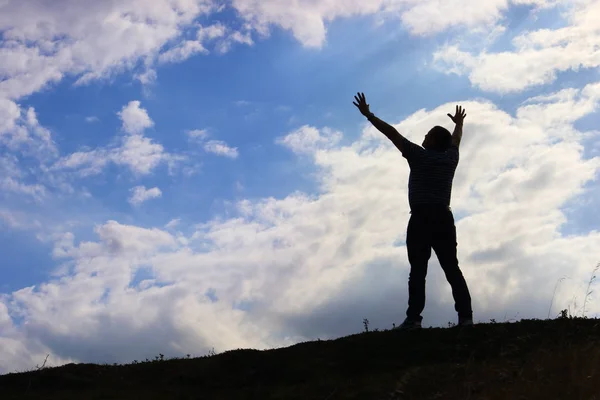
{"type": "Point", "coordinates": [172, 224]}
{"type": "Point", "coordinates": [187, 48]}
{"type": "Point", "coordinates": [87, 162]}
{"type": "Point", "coordinates": [310, 266]}
{"type": "Point", "coordinates": [93, 40]}
{"type": "Point", "coordinates": [182, 52]}
{"type": "Point", "coordinates": [137, 152]}
{"type": "Point", "coordinates": [37, 191]}
{"type": "Point", "coordinates": [235, 37]}
{"type": "Point", "coordinates": [91, 119]}
{"type": "Point", "coordinates": [308, 139]}
{"type": "Point", "coordinates": [538, 56]}
{"type": "Point", "coordinates": [425, 17]}
{"type": "Point", "coordinates": [134, 150]}
{"type": "Point", "coordinates": [18, 220]}
{"type": "Point", "coordinates": [9, 115]}
{"type": "Point", "coordinates": [217, 147]}
{"type": "Point", "coordinates": [140, 194]}
{"type": "Point", "coordinates": [147, 77]}
{"type": "Point", "coordinates": [306, 266]}
{"type": "Point", "coordinates": [197, 134]}
{"type": "Point", "coordinates": [308, 20]}
{"type": "Point", "coordinates": [221, 148]}
{"type": "Point", "coordinates": [211, 32]}
{"type": "Point", "coordinates": [140, 154]}
{"type": "Point", "coordinates": [135, 119]}
{"type": "Point", "coordinates": [21, 131]}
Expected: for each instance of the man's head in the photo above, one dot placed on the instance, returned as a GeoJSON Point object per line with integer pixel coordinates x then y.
{"type": "Point", "coordinates": [438, 138]}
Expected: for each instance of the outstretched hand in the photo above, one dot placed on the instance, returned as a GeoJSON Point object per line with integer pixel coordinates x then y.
{"type": "Point", "coordinates": [361, 104]}
{"type": "Point", "coordinates": [459, 116]}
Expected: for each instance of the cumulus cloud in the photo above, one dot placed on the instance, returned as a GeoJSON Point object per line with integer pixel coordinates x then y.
{"type": "Point", "coordinates": [135, 151]}
{"type": "Point", "coordinates": [182, 52]}
{"type": "Point", "coordinates": [140, 194]}
{"type": "Point", "coordinates": [42, 44]}
{"type": "Point", "coordinates": [21, 131]}
{"type": "Point", "coordinates": [95, 40]}
{"type": "Point", "coordinates": [307, 20]}
{"type": "Point", "coordinates": [37, 191]}
{"type": "Point", "coordinates": [172, 224]}
{"type": "Point", "coordinates": [538, 56]}
{"type": "Point", "coordinates": [233, 38]}
{"type": "Point", "coordinates": [308, 139]}
{"type": "Point", "coordinates": [9, 115]}
{"type": "Point", "coordinates": [27, 148]}
{"type": "Point", "coordinates": [275, 271]}
{"type": "Point", "coordinates": [197, 134]}
{"type": "Point", "coordinates": [187, 48]}
{"type": "Point", "coordinates": [221, 148]}
{"type": "Point", "coordinates": [135, 119]}
{"type": "Point", "coordinates": [147, 77]}
{"type": "Point", "coordinates": [140, 154]}
{"type": "Point", "coordinates": [217, 147]}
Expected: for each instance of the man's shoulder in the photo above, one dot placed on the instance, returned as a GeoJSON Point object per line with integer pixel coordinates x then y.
{"type": "Point", "coordinates": [411, 149]}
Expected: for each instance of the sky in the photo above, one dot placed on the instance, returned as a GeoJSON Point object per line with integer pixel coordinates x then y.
{"type": "Point", "coordinates": [184, 175]}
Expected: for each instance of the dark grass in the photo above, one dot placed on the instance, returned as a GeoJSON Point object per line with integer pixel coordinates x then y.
{"type": "Point", "coordinates": [530, 359]}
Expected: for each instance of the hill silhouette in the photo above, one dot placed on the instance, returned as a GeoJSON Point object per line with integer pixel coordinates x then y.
{"type": "Point", "coordinates": [529, 359]}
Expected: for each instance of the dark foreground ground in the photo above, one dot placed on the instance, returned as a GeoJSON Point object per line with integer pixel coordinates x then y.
{"type": "Point", "coordinates": [530, 359]}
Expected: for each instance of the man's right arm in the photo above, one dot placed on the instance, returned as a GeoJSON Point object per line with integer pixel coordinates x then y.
{"type": "Point", "coordinates": [406, 147]}
{"type": "Point", "coordinates": [391, 133]}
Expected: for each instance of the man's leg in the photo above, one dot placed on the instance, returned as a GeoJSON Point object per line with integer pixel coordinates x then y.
{"type": "Point", "coordinates": [419, 251]}
{"type": "Point", "coordinates": [444, 244]}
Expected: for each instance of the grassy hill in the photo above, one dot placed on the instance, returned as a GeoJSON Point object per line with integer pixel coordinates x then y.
{"type": "Point", "coordinates": [530, 359]}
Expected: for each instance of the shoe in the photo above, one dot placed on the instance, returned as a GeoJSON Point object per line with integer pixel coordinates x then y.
{"type": "Point", "coordinates": [465, 322]}
{"type": "Point", "coordinates": [409, 325]}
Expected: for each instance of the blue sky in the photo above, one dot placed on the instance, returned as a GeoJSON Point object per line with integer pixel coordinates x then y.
{"type": "Point", "coordinates": [265, 203]}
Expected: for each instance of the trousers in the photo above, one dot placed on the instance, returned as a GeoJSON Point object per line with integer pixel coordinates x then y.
{"type": "Point", "coordinates": [433, 228]}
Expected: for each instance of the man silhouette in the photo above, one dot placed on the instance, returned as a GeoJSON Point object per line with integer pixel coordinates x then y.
{"type": "Point", "coordinates": [431, 224]}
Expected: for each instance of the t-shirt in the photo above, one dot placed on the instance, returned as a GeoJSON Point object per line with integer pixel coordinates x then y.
{"type": "Point", "coordinates": [431, 174]}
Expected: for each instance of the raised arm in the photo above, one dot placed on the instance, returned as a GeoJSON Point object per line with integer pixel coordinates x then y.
{"type": "Point", "coordinates": [389, 131]}
{"type": "Point", "coordinates": [458, 119]}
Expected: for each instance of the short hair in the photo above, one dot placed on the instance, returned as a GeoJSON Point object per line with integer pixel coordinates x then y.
{"type": "Point", "coordinates": [443, 138]}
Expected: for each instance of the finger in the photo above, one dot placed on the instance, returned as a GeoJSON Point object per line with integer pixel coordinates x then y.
{"type": "Point", "coordinates": [357, 99]}
{"type": "Point", "coordinates": [355, 103]}
{"type": "Point", "coordinates": [450, 115]}
{"type": "Point", "coordinates": [363, 97]}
